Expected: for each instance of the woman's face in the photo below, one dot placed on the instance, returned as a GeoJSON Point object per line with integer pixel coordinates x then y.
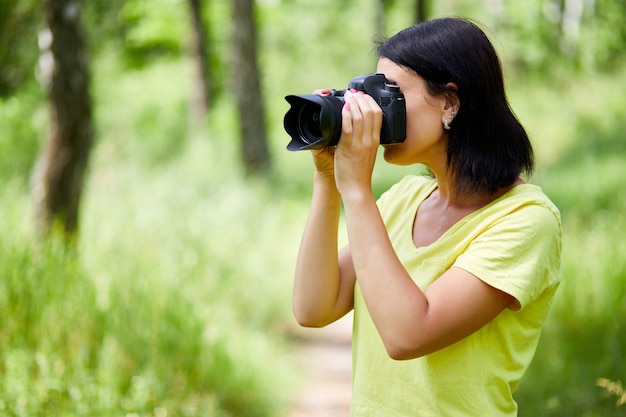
{"type": "Point", "coordinates": [425, 137]}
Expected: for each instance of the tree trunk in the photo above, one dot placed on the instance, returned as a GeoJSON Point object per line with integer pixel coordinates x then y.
{"type": "Point", "coordinates": [201, 94]}
{"type": "Point", "coordinates": [422, 10]}
{"type": "Point", "coordinates": [381, 12]}
{"type": "Point", "coordinates": [247, 89]}
{"type": "Point", "coordinates": [571, 19]}
{"type": "Point", "coordinates": [59, 174]}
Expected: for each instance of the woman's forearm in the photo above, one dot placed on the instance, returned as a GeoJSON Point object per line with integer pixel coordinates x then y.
{"type": "Point", "coordinates": [317, 276]}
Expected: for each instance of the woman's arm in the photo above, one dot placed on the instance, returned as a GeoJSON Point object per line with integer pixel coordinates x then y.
{"type": "Point", "coordinates": [324, 280]}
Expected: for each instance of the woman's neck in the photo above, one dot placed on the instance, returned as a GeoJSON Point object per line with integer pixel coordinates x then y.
{"type": "Point", "coordinates": [448, 195]}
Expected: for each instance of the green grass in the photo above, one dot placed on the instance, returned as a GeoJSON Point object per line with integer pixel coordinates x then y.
{"type": "Point", "coordinates": [147, 318]}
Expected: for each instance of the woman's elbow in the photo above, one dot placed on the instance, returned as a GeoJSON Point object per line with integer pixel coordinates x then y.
{"type": "Point", "coordinates": [309, 322]}
{"type": "Point", "coordinates": [401, 354]}
{"type": "Point", "coordinates": [399, 351]}
{"type": "Point", "coordinates": [308, 319]}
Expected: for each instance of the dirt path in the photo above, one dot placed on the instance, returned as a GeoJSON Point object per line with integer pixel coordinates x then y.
{"type": "Point", "coordinates": [325, 355]}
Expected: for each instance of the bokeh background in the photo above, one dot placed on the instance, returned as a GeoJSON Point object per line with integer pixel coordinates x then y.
{"type": "Point", "coordinates": [171, 297]}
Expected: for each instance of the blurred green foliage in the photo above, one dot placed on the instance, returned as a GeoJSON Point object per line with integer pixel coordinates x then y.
{"type": "Point", "coordinates": [177, 299]}
{"type": "Point", "coordinates": [23, 119]}
{"type": "Point", "coordinates": [19, 21]}
{"type": "Point", "coordinates": [582, 153]}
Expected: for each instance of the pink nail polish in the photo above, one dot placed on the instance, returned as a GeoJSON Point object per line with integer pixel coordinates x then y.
{"type": "Point", "coordinates": [325, 91]}
{"type": "Point", "coordinates": [347, 106]}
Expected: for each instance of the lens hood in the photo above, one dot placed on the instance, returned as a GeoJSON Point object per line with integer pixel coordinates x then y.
{"type": "Point", "coordinates": [313, 121]}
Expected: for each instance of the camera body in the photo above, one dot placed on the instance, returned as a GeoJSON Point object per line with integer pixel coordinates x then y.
{"type": "Point", "coordinates": [314, 121]}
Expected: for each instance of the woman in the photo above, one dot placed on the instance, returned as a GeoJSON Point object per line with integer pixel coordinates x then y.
{"type": "Point", "coordinates": [450, 276]}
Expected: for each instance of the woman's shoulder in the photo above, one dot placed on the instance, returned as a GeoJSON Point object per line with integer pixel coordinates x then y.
{"type": "Point", "coordinates": [523, 210]}
{"type": "Point", "coordinates": [531, 195]}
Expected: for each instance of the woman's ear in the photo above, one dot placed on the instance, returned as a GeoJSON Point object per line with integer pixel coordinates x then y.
{"type": "Point", "coordinates": [451, 106]}
{"type": "Point", "coordinates": [452, 99]}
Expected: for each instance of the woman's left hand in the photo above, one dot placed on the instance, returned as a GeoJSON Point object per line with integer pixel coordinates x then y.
{"type": "Point", "coordinates": [356, 151]}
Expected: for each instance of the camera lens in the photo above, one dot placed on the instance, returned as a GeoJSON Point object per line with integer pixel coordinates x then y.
{"type": "Point", "coordinates": [308, 123]}
{"type": "Point", "coordinates": [313, 121]}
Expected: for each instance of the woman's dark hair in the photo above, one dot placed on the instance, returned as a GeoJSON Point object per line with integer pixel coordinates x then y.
{"type": "Point", "coordinates": [488, 148]}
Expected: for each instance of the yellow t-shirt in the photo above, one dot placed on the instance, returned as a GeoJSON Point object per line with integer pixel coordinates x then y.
{"type": "Point", "coordinates": [513, 244]}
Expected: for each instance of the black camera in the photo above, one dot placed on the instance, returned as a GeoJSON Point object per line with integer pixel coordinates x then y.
{"type": "Point", "coordinates": [314, 121]}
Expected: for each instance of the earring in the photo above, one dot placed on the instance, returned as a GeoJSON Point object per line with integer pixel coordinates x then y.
{"type": "Point", "coordinates": [445, 122]}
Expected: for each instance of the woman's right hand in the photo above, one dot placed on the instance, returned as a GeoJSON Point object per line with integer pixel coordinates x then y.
{"type": "Point", "coordinates": [324, 159]}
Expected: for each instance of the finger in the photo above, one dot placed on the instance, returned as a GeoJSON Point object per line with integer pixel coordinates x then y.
{"type": "Point", "coordinates": [320, 92]}
{"type": "Point", "coordinates": [369, 118]}
{"type": "Point", "coordinates": [373, 114]}
{"type": "Point", "coordinates": [356, 117]}
{"type": "Point", "coordinates": [346, 123]}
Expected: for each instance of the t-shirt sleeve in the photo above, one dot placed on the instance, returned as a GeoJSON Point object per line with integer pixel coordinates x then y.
{"type": "Point", "coordinates": [519, 254]}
